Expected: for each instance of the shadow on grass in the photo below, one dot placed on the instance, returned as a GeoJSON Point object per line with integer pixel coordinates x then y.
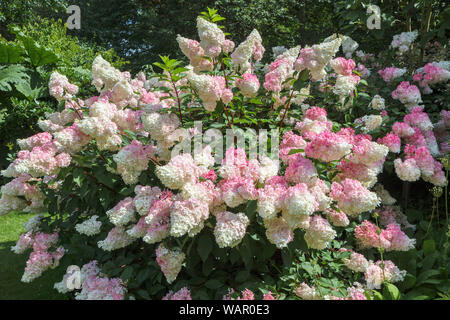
{"type": "Point", "coordinates": [11, 269]}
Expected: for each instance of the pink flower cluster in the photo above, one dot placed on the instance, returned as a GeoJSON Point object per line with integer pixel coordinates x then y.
{"type": "Point", "coordinates": [442, 131]}
{"type": "Point", "coordinates": [248, 294]}
{"type": "Point", "coordinates": [290, 141]}
{"type": "Point", "coordinates": [169, 261]}
{"type": "Point", "coordinates": [391, 239]}
{"type": "Point", "coordinates": [182, 294]}
{"type": "Point", "coordinates": [391, 73]}
{"type": "Point", "coordinates": [352, 197]}
{"type": "Point", "coordinates": [421, 145]}
{"type": "Point", "coordinates": [192, 50]}
{"type": "Point", "coordinates": [343, 66]}
{"type": "Point", "coordinates": [210, 89]}
{"type": "Point", "coordinates": [93, 284]}
{"type": "Point", "coordinates": [154, 208]}
{"type": "Point", "coordinates": [328, 146]}
{"type": "Point", "coordinates": [132, 160]}
{"type": "Point", "coordinates": [40, 161]}
{"type": "Point", "coordinates": [41, 258]}
{"type": "Point", "coordinates": [60, 87]}
{"type": "Point", "coordinates": [382, 271]}
{"type": "Point", "coordinates": [408, 94]}
{"type": "Point", "coordinates": [279, 71]}
{"type": "Point", "coordinates": [431, 74]}
{"type": "Point", "coordinates": [117, 238]}
{"type": "Point", "coordinates": [315, 58]}
{"type": "Point", "coordinates": [101, 288]}
{"type": "Point", "coordinates": [20, 195]}
{"type": "Point", "coordinates": [393, 215]}
{"type": "Point", "coordinates": [314, 122]}
{"type": "Point", "coordinates": [249, 85]}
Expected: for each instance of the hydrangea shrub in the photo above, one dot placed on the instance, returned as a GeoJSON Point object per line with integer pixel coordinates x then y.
{"type": "Point", "coordinates": [310, 221]}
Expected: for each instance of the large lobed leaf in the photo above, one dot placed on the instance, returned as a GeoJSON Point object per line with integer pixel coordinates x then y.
{"type": "Point", "coordinates": [14, 74]}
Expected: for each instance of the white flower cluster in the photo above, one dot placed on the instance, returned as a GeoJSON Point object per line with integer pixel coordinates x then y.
{"type": "Point", "coordinates": [100, 125]}
{"type": "Point", "coordinates": [170, 261]}
{"type": "Point", "coordinates": [403, 41]}
{"type": "Point", "coordinates": [180, 170]}
{"type": "Point", "coordinates": [117, 238]}
{"type": "Point", "coordinates": [132, 160]}
{"type": "Point", "coordinates": [317, 57]}
{"type": "Point", "coordinates": [145, 195]}
{"type": "Point", "coordinates": [187, 216]}
{"type": "Point", "coordinates": [230, 228]}
{"type": "Point", "coordinates": [278, 231]}
{"type": "Point", "coordinates": [349, 46]}
{"type": "Point", "coordinates": [377, 103]}
{"type": "Point", "coordinates": [211, 37]}
{"type": "Point", "coordinates": [122, 213]}
{"type": "Point", "coordinates": [320, 233]}
{"type": "Point", "coordinates": [407, 170]}
{"type": "Point", "coordinates": [251, 47]}
{"type": "Point", "coordinates": [369, 123]}
{"type": "Point", "coordinates": [298, 205]}
{"type": "Point", "coordinates": [164, 129]}
{"type": "Point", "coordinates": [89, 227]}
{"type": "Point", "coordinates": [344, 85]}
{"type": "Point", "coordinates": [104, 75]}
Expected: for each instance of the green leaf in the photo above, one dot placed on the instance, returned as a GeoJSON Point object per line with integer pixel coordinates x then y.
{"type": "Point", "coordinates": [364, 95]}
{"type": "Point", "coordinates": [429, 261]}
{"type": "Point", "coordinates": [429, 247]}
{"type": "Point", "coordinates": [251, 208]}
{"type": "Point", "coordinates": [242, 276]}
{"type": "Point", "coordinates": [426, 275]}
{"type": "Point", "coordinates": [208, 266]}
{"type": "Point", "coordinates": [304, 75]}
{"type": "Point", "coordinates": [10, 53]}
{"type": "Point", "coordinates": [127, 273]}
{"type": "Point", "coordinates": [33, 89]}
{"type": "Point", "coordinates": [144, 294]}
{"type": "Point", "coordinates": [377, 295]}
{"type": "Point", "coordinates": [213, 284]}
{"type": "Point", "coordinates": [307, 266]}
{"type": "Point", "coordinates": [391, 291]}
{"type": "Point", "coordinates": [256, 101]}
{"type": "Point", "coordinates": [143, 275]}
{"type": "Point", "coordinates": [364, 82]}
{"type": "Point", "coordinates": [38, 56]}
{"type": "Point", "coordinates": [204, 246]}
{"type": "Point", "coordinates": [179, 70]}
{"type": "Point", "coordinates": [12, 75]}
{"type": "Point", "coordinates": [409, 281]}
{"type": "Point", "coordinates": [294, 151]}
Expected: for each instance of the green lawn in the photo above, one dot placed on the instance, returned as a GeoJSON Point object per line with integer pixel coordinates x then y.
{"type": "Point", "coordinates": [12, 265]}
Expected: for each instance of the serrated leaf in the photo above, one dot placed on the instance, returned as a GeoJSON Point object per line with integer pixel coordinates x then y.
{"type": "Point", "coordinates": [10, 53]}
{"type": "Point", "coordinates": [12, 75]}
